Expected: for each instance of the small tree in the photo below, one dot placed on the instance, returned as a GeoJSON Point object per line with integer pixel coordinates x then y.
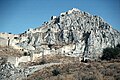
{"type": "Point", "coordinates": [118, 46]}
{"type": "Point", "coordinates": [110, 53]}
{"type": "Point", "coordinates": [55, 72]}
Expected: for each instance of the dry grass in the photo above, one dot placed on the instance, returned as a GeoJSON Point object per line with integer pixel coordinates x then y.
{"type": "Point", "coordinates": [74, 70]}
{"type": "Point", "coordinates": [53, 59]}
{"type": "Point", "coordinates": [71, 68]}
{"type": "Point", "coordinates": [9, 51]}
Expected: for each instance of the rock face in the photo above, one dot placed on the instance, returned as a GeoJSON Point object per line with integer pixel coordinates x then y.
{"type": "Point", "coordinates": [8, 71]}
{"type": "Point", "coordinates": [74, 33]}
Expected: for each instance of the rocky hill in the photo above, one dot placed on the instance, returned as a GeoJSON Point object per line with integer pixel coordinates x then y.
{"type": "Point", "coordinates": [73, 33]}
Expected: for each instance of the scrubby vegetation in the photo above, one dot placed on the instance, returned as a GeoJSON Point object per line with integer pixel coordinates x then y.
{"type": "Point", "coordinates": [111, 53]}
{"type": "Point", "coordinates": [79, 71]}
{"type": "Point", "coordinates": [72, 69]}
{"type": "Point", "coordinates": [9, 51]}
{"type": "Point", "coordinates": [55, 72]}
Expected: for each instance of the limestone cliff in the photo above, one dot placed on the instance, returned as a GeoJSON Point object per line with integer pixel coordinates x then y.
{"type": "Point", "coordinates": [74, 33]}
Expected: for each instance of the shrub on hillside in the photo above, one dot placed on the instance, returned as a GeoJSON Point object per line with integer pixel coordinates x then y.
{"type": "Point", "coordinates": [118, 46]}
{"type": "Point", "coordinates": [111, 53]}
{"type": "Point", "coordinates": [55, 72]}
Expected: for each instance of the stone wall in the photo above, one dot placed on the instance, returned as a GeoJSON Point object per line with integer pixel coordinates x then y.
{"type": "Point", "coordinates": [13, 60]}
{"type": "Point", "coordinates": [3, 42]}
{"type": "Point", "coordinates": [90, 34]}
{"type": "Point", "coordinates": [16, 60]}
{"type": "Point", "coordinates": [35, 56]}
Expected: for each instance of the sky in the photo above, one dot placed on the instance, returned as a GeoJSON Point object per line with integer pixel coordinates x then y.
{"type": "Point", "coordinates": [16, 16]}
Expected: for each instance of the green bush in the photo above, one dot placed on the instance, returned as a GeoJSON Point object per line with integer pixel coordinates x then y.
{"type": "Point", "coordinates": [42, 62]}
{"type": "Point", "coordinates": [118, 46]}
{"type": "Point", "coordinates": [111, 53]}
{"type": "Point", "coordinates": [55, 72]}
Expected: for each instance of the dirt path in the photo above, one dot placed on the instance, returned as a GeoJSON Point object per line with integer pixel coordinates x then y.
{"type": "Point", "coordinates": [32, 69]}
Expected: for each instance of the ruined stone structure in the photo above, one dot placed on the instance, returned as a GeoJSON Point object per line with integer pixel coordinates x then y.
{"type": "Point", "coordinates": [74, 33]}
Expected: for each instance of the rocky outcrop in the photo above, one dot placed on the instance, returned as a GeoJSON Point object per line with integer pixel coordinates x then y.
{"type": "Point", "coordinates": [8, 71]}
{"type": "Point", "coordinates": [72, 33]}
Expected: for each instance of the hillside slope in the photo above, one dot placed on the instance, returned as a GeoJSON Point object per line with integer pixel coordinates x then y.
{"type": "Point", "coordinates": [74, 33]}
